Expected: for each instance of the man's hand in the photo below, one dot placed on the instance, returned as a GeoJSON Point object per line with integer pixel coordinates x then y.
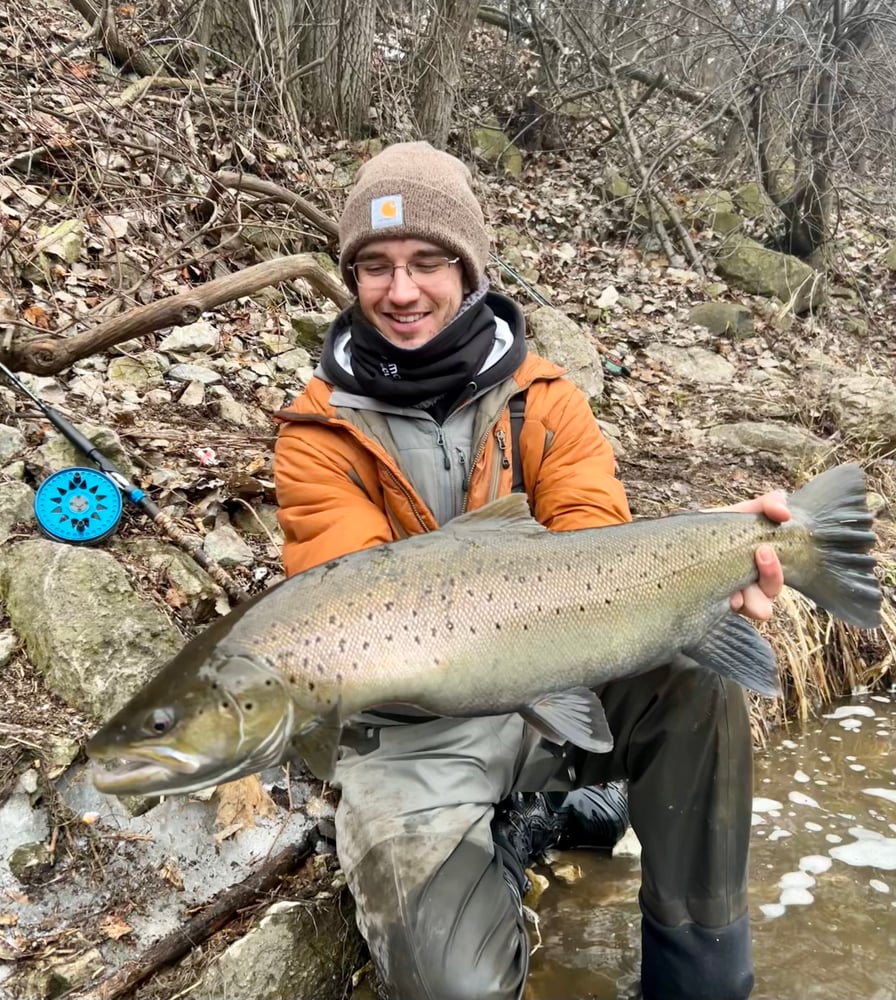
{"type": "Point", "coordinates": [757, 600]}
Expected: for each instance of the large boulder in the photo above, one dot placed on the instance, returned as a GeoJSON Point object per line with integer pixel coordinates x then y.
{"type": "Point", "coordinates": [751, 266]}
{"type": "Point", "coordinates": [793, 447]}
{"type": "Point", "coordinates": [864, 409]}
{"type": "Point", "coordinates": [493, 145]}
{"type": "Point", "coordinates": [561, 339]}
{"type": "Point", "coordinates": [723, 318]}
{"type": "Point", "coordinates": [83, 626]}
{"type": "Point", "coordinates": [299, 949]}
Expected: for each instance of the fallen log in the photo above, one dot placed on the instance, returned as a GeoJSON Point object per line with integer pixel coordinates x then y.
{"type": "Point", "coordinates": [51, 355]}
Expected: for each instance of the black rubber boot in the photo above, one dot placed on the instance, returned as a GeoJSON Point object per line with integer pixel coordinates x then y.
{"type": "Point", "coordinates": [524, 827]}
{"type": "Point", "coordinates": [690, 962]}
{"type": "Point", "coordinates": [596, 816]}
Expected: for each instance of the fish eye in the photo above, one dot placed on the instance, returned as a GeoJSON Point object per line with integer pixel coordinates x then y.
{"type": "Point", "coordinates": [159, 721]}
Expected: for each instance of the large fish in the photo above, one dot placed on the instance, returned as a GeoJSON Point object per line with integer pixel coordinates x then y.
{"type": "Point", "coordinates": [491, 614]}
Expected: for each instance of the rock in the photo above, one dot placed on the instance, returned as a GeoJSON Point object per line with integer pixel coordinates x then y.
{"type": "Point", "coordinates": [275, 343]}
{"type": "Point", "coordinates": [890, 258]}
{"type": "Point", "coordinates": [792, 446]}
{"type": "Point", "coordinates": [64, 240]}
{"type": "Point", "coordinates": [864, 409]}
{"type": "Point", "coordinates": [749, 265]}
{"type": "Point", "coordinates": [12, 442]}
{"type": "Point", "coordinates": [193, 373]}
{"type": "Point", "coordinates": [751, 201]}
{"type": "Point", "coordinates": [299, 949]}
{"type": "Point", "coordinates": [261, 520]}
{"type": "Point", "coordinates": [616, 188]}
{"type": "Point", "coordinates": [199, 336]}
{"type": "Point", "coordinates": [90, 387]}
{"type": "Point", "coordinates": [715, 209]}
{"type": "Point", "coordinates": [495, 147]}
{"type": "Point", "coordinates": [537, 885]}
{"type": "Point", "coordinates": [7, 645]}
{"type": "Point", "coordinates": [723, 318]}
{"type": "Point", "coordinates": [140, 371]}
{"type": "Point", "coordinates": [225, 546]}
{"type": "Point", "coordinates": [58, 452]}
{"type": "Point", "coordinates": [193, 395]}
{"type": "Point", "coordinates": [59, 976]}
{"type": "Point", "coordinates": [16, 506]}
{"type": "Point", "coordinates": [569, 873]}
{"type": "Point", "coordinates": [30, 861]}
{"type": "Point", "coordinates": [311, 328]}
{"type": "Point", "coordinates": [270, 398]}
{"type": "Point", "coordinates": [561, 339]}
{"type": "Point", "coordinates": [694, 364]}
{"type": "Point", "coordinates": [292, 361]}
{"type": "Point", "coordinates": [82, 624]}
{"type": "Point", "coordinates": [168, 560]}
{"type": "Point", "coordinates": [855, 324]}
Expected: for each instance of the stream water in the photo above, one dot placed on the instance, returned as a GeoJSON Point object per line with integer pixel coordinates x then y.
{"type": "Point", "coordinates": [822, 866]}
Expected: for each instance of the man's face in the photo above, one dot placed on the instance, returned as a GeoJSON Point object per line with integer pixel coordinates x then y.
{"type": "Point", "coordinates": [409, 311]}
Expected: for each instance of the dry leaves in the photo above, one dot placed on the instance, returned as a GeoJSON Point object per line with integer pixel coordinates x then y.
{"type": "Point", "coordinates": [239, 803]}
{"type": "Point", "coordinates": [113, 926]}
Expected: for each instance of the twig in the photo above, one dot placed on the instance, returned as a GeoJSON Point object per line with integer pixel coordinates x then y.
{"type": "Point", "coordinates": [199, 927]}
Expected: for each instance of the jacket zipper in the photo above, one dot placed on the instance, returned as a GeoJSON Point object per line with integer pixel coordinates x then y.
{"type": "Point", "coordinates": [410, 500]}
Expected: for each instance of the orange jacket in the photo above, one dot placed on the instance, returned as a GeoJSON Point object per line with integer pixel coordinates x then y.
{"type": "Point", "coordinates": [340, 491]}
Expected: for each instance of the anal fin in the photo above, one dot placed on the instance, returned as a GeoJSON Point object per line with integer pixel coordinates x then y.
{"type": "Point", "coordinates": [736, 650]}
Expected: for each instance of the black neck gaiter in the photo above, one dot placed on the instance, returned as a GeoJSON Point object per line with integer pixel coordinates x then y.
{"type": "Point", "coordinates": [436, 375]}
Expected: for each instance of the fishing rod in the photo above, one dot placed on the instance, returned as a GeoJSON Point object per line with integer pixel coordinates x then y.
{"type": "Point", "coordinates": [77, 506]}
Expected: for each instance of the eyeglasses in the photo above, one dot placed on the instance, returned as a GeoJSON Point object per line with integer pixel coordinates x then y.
{"type": "Point", "coordinates": [423, 271]}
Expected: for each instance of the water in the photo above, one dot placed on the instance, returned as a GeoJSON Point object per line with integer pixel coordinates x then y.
{"type": "Point", "coordinates": [822, 867]}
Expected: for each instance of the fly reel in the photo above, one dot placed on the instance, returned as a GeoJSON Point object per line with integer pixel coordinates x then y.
{"type": "Point", "coordinates": [77, 505]}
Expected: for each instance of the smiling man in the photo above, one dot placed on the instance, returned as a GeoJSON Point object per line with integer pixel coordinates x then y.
{"type": "Point", "coordinates": [407, 424]}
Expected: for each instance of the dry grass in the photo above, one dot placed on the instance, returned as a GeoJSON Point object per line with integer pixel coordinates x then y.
{"type": "Point", "coordinates": [821, 659]}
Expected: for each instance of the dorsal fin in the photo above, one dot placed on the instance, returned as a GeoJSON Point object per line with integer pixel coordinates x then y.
{"type": "Point", "coordinates": [506, 513]}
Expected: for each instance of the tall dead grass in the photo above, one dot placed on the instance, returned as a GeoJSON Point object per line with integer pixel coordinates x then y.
{"type": "Point", "coordinates": [821, 659]}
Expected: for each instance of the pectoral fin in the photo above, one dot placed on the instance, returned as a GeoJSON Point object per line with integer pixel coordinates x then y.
{"type": "Point", "coordinates": [319, 746]}
{"type": "Point", "coordinates": [574, 716]}
{"type": "Point", "coordinates": [736, 650]}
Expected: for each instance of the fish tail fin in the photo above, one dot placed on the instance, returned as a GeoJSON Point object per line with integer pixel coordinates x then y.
{"type": "Point", "coordinates": [840, 578]}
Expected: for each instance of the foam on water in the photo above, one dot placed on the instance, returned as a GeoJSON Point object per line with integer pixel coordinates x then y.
{"type": "Point", "coordinates": [869, 850]}
{"type": "Point", "coordinates": [800, 799]}
{"type": "Point", "coordinates": [845, 711]}
{"type": "Point", "coordinates": [884, 793]}
{"type": "Point", "coordinates": [796, 897]}
{"type": "Point", "coordinates": [815, 863]}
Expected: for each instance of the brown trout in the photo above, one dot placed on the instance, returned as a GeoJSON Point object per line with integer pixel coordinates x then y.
{"type": "Point", "coordinates": [490, 614]}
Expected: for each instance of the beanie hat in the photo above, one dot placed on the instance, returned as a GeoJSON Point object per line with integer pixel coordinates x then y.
{"type": "Point", "coordinates": [413, 190]}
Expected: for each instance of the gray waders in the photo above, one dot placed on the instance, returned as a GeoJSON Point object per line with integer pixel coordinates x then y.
{"type": "Point", "coordinates": [441, 915]}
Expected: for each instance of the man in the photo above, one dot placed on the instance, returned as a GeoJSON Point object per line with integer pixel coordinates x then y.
{"type": "Point", "coordinates": [406, 425]}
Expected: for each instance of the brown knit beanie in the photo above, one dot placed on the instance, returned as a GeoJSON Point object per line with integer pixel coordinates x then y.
{"type": "Point", "coordinates": [413, 190]}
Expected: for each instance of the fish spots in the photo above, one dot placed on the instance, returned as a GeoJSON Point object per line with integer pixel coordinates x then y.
{"type": "Point", "coordinates": [248, 706]}
{"type": "Point", "coordinates": [389, 605]}
{"type": "Point", "coordinates": [332, 619]}
{"type": "Point", "coordinates": [389, 637]}
{"type": "Point", "coordinates": [365, 644]}
{"type": "Point", "coordinates": [342, 644]}
{"type": "Point", "coordinates": [312, 686]}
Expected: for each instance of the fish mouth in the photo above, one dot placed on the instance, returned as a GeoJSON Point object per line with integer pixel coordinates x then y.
{"type": "Point", "coordinates": [147, 771]}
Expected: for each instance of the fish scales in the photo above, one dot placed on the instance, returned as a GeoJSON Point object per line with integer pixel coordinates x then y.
{"type": "Point", "coordinates": [490, 614]}
{"type": "Point", "coordinates": [431, 626]}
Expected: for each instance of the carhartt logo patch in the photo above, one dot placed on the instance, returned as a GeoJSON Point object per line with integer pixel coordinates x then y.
{"type": "Point", "coordinates": [386, 212]}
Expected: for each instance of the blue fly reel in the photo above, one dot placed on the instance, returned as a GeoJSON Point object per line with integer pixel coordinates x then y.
{"type": "Point", "coordinates": [78, 505]}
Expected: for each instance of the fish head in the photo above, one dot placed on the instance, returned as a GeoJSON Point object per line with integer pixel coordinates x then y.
{"type": "Point", "coordinates": [190, 728]}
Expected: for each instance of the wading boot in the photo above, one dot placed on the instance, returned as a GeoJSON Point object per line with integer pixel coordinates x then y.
{"type": "Point", "coordinates": [690, 962]}
{"type": "Point", "coordinates": [524, 827]}
{"type": "Point", "coordinates": [596, 816]}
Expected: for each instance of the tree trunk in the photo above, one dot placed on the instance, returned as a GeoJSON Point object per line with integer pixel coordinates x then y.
{"type": "Point", "coordinates": [338, 42]}
{"type": "Point", "coordinates": [440, 60]}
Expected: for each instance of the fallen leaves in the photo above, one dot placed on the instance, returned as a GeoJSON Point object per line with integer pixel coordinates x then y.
{"type": "Point", "coordinates": [240, 803]}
